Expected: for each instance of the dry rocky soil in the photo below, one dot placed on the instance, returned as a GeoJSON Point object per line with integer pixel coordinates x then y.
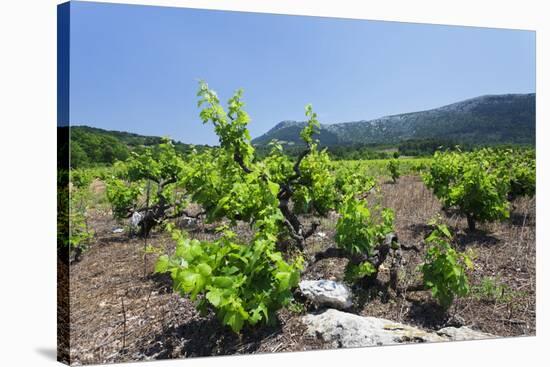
{"type": "Point", "coordinates": [121, 311]}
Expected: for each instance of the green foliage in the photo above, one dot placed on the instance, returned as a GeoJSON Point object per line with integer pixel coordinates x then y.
{"type": "Point", "coordinates": [73, 232]}
{"type": "Point", "coordinates": [244, 283]}
{"type": "Point", "coordinates": [444, 268]}
{"type": "Point", "coordinates": [122, 196]}
{"type": "Point", "coordinates": [231, 126]}
{"type": "Point", "coordinates": [521, 169]}
{"type": "Point", "coordinates": [480, 183]}
{"type": "Point", "coordinates": [427, 147]}
{"type": "Point", "coordinates": [522, 183]}
{"type": "Point", "coordinates": [355, 272]}
{"type": "Point", "coordinates": [93, 147]}
{"type": "Point", "coordinates": [357, 230]}
{"type": "Point", "coordinates": [89, 147]}
{"type": "Point", "coordinates": [159, 164]}
{"type": "Point", "coordinates": [218, 184]}
{"type": "Point", "coordinates": [379, 167]}
{"type": "Point", "coordinates": [296, 307]}
{"type": "Point", "coordinates": [229, 183]}
{"type": "Point", "coordinates": [352, 178]}
{"type": "Point", "coordinates": [158, 173]}
{"type": "Point", "coordinates": [393, 167]}
{"type": "Point", "coordinates": [63, 207]}
{"type": "Point", "coordinates": [515, 166]}
{"type": "Point", "coordinates": [492, 290]}
{"type": "Point", "coordinates": [80, 235]}
{"type": "Point", "coordinates": [444, 171]}
{"type": "Point", "coordinates": [232, 183]}
{"type": "Point", "coordinates": [419, 168]}
{"type": "Point", "coordinates": [358, 151]}
{"type": "Point", "coordinates": [472, 183]}
{"type": "Point", "coordinates": [80, 178]}
{"type": "Point", "coordinates": [316, 190]}
{"type": "Point", "coordinates": [311, 127]}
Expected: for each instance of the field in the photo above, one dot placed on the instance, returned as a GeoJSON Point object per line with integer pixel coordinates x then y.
{"type": "Point", "coordinates": [378, 167]}
{"type": "Point", "coordinates": [199, 253]}
{"type": "Point", "coordinates": [122, 311]}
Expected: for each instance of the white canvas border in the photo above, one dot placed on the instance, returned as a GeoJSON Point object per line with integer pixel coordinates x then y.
{"type": "Point", "coordinates": [28, 151]}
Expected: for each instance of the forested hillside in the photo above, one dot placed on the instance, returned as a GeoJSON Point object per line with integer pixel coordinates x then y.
{"type": "Point", "coordinates": [93, 146]}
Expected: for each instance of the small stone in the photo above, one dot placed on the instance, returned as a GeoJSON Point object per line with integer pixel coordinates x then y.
{"type": "Point", "coordinates": [118, 230]}
{"type": "Point", "coordinates": [189, 222]}
{"type": "Point", "coordinates": [136, 219]}
{"type": "Point", "coordinates": [321, 234]}
{"type": "Point", "coordinates": [327, 292]}
{"type": "Point", "coordinates": [455, 320]}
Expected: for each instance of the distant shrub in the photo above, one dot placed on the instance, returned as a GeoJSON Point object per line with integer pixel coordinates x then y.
{"type": "Point", "coordinates": [393, 167]}
{"type": "Point", "coordinates": [470, 182]}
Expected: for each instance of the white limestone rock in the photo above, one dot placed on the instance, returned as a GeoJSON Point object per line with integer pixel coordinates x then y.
{"type": "Point", "coordinates": [463, 333]}
{"type": "Point", "coordinates": [327, 293]}
{"type": "Point", "coordinates": [345, 330]}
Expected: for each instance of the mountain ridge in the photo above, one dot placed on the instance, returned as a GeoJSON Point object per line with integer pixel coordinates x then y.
{"type": "Point", "coordinates": [491, 118]}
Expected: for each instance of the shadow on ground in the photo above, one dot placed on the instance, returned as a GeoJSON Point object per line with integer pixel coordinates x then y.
{"type": "Point", "coordinates": [478, 237]}
{"type": "Point", "coordinates": [206, 337]}
{"type": "Point", "coordinates": [428, 314]}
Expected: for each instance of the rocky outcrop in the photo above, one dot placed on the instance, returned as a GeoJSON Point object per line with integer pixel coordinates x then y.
{"type": "Point", "coordinates": [327, 293]}
{"type": "Point", "coordinates": [344, 330]}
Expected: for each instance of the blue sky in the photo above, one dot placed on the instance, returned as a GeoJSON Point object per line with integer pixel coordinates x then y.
{"type": "Point", "coordinates": [136, 68]}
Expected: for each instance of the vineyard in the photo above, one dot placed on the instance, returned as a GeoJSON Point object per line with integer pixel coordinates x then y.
{"type": "Point", "coordinates": [203, 253]}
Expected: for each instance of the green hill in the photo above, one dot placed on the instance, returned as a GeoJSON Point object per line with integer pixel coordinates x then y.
{"type": "Point", "coordinates": [92, 146]}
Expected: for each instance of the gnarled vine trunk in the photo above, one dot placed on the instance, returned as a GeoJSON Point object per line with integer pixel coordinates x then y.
{"type": "Point", "coordinates": [471, 222]}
